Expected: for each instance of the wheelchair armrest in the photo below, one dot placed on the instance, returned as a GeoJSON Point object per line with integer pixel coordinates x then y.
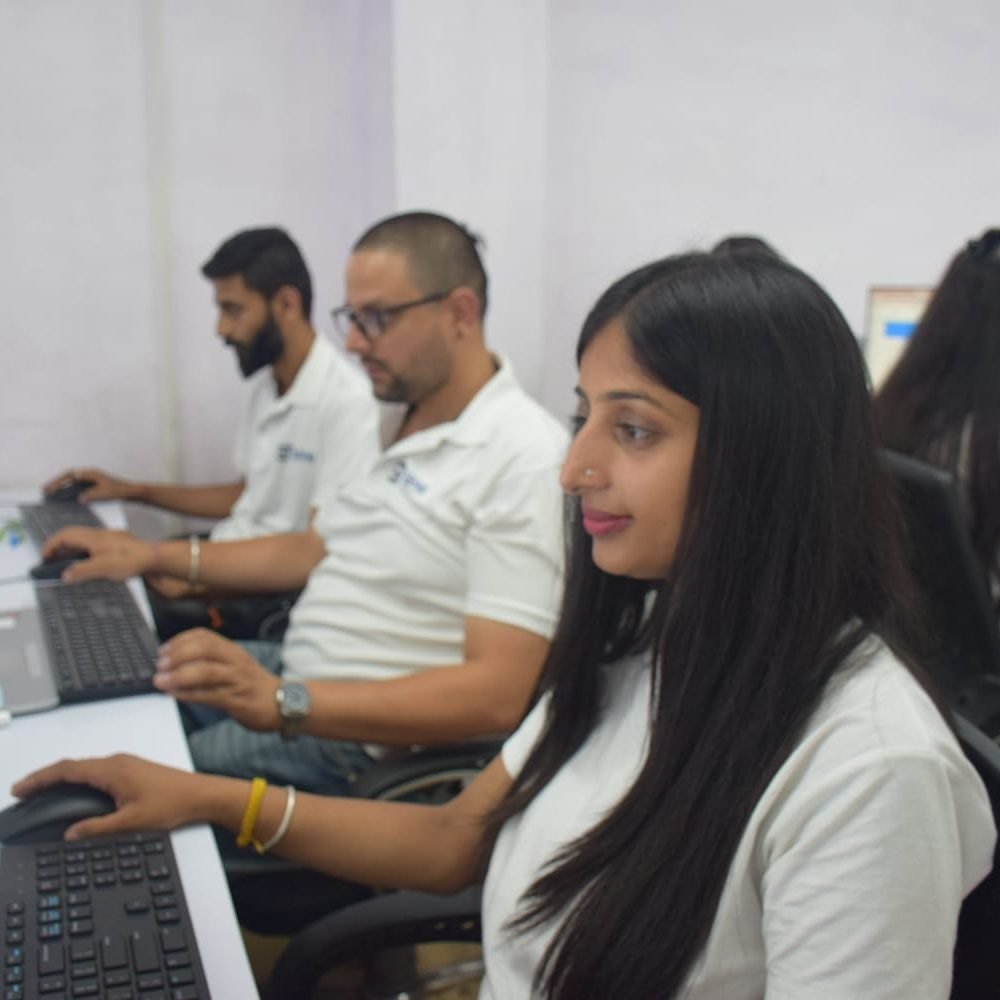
{"type": "Point", "coordinates": [400, 775]}
{"type": "Point", "coordinates": [387, 921]}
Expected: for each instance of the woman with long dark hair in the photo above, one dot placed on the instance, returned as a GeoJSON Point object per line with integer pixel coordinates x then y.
{"type": "Point", "coordinates": [730, 783]}
{"type": "Point", "coordinates": [941, 402]}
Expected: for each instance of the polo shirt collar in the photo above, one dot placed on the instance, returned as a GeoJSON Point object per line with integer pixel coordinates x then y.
{"type": "Point", "coordinates": [311, 381]}
{"type": "Point", "coordinates": [473, 427]}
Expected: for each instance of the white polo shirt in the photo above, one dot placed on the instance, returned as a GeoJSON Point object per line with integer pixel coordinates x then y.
{"type": "Point", "coordinates": [848, 878]}
{"type": "Point", "coordinates": [294, 449]}
{"type": "Point", "coordinates": [461, 519]}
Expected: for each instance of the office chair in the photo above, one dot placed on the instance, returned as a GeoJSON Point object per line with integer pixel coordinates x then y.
{"type": "Point", "coordinates": [976, 973]}
{"type": "Point", "coordinates": [964, 658]}
{"type": "Point", "coordinates": [408, 918]}
{"type": "Point", "coordinates": [391, 920]}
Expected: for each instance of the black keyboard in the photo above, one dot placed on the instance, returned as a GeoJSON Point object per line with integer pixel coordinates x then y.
{"type": "Point", "coordinates": [43, 519]}
{"type": "Point", "coordinates": [102, 918]}
{"type": "Point", "coordinates": [99, 644]}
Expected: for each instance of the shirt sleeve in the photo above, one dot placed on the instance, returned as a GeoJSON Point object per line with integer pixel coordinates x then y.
{"type": "Point", "coordinates": [518, 746]}
{"type": "Point", "coordinates": [347, 446]}
{"type": "Point", "coordinates": [241, 448]}
{"type": "Point", "coordinates": [864, 875]}
{"type": "Point", "coordinates": [514, 559]}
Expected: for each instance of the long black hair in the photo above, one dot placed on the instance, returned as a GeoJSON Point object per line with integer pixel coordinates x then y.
{"type": "Point", "coordinates": [786, 560]}
{"type": "Point", "coordinates": [941, 402]}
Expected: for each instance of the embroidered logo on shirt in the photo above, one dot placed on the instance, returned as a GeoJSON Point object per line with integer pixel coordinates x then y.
{"type": "Point", "coordinates": [289, 453]}
{"type": "Point", "coordinates": [400, 474]}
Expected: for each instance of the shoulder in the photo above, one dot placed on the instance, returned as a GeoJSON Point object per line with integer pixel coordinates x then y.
{"type": "Point", "coordinates": [876, 742]}
{"type": "Point", "coordinates": [518, 426]}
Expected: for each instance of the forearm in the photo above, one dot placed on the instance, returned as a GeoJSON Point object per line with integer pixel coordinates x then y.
{"type": "Point", "coordinates": [273, 562]}
{"type": "Point", "coordinates": [443, 705]}
{"type": "Point", "coordinates": [199, 501]}
{"type": "Point", "coordinates": [386, 844]}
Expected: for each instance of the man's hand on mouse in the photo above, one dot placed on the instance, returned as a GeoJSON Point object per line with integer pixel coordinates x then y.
{"type": "Point", "coordinates": [147, 796]}
{"type": "Point", "coordinates": [104, 487]}
{"type": "Point", "coordinates": [112, 555]}
{"type": "Point", "coordinates": [202, 667]}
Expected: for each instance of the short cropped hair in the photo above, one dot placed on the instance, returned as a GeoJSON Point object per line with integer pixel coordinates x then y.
{"type": "Point", "coordinates": [744, 244]}
{"type": "Point", "coordinates": [442, 254]}
{"type": "Point", "coordinates": [266, 259]}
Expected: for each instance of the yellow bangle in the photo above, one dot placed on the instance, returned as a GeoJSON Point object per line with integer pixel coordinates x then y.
{"type": "Point", "coordinates": [246, 838]}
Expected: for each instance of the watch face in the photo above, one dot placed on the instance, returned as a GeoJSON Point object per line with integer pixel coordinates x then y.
{"type": "Point", "coordinates": [294, 700]}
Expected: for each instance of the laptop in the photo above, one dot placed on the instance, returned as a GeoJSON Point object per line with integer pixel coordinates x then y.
{"type": "Point", "coordinates": [26, 681]}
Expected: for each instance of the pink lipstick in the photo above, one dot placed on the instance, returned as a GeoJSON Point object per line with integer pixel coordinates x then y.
{"type": "Point", "coordinates": [597, 522]}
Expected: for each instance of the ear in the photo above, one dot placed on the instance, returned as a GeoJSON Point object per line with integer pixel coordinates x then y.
{"type": "Point", "coordinates": [287, 302]}
{"type": "Point", "coordinates": [465, 307]}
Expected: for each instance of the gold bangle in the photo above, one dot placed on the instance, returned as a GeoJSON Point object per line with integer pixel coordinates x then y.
{"type": "Point", "coordinates": [286, 821]}
{"type": "Point", "coordinates": [194, 566]}
{"type": "Point", "coordinates": [245, 838]}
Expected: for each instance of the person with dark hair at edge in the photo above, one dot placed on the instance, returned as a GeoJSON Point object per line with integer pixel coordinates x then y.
{"type": "Point", "coordinates": [309, 424]}
{"type": "Point", "coordinates": [432, 580]}
{"type": "Point", "coordinates": [731, 780]}
{"type": "Point", "coordinates": [941, 402]}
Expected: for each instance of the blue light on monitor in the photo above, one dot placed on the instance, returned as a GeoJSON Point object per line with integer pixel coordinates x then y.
{"type": "Point", "coordinates": [900, 329]}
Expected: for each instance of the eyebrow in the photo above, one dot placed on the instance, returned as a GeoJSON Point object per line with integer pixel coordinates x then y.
{"type": "Point", "coordinates": [630, 395]}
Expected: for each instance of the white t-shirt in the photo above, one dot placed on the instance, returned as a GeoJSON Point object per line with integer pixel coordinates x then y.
{"type": "Point", "coordinates": [848, 878]}
{"type": "Point", "coordinates": [294, 449]}
{"type": "Point", "coordinates": [462, 519]}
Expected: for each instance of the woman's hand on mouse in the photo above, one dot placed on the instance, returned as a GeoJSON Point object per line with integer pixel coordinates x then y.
{"type": "Point", "coordinates": [147, 796]}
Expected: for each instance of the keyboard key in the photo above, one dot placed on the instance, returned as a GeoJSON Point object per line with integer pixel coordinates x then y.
{"type": "Point", "coordinates": [172, 939]}
{"type": "Point", "coordinates": [51, 959]}
{"type": "Point", "coordinates": [80, 951]}
{"type": "Point", "coordinates": [145, 956]}
{"type": "Point", "coordinates": [113, 952]}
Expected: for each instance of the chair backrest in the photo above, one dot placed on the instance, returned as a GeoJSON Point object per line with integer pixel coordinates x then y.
{"type": "Point", "coordinates": [977, 951]}
{"type": "Point", "coordinates": [962, 620]}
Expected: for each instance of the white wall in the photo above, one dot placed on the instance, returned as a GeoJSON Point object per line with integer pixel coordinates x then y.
{"type": "Point", "coordinates": [579, 137]}
{"type": "Point", "coordinates": [862, 140]}
{"type": "Point", "coordinates": [137, 135]}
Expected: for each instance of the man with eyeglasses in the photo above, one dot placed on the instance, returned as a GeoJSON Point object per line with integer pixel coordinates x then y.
{"type": "Point", "coordinates": [433, 580]}
{"type": "Point", "coordinates": [309, 421]}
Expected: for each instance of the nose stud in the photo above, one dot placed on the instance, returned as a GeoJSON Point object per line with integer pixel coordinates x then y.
{"type": "Point", "coordinates": [588, 473]}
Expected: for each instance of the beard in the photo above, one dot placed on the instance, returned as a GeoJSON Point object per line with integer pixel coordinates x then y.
{"type": "Point", "coordinates": [264, 349]}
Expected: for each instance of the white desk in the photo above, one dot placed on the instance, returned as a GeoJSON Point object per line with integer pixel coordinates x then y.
{"type": "Point", "coordinates": [147, 725]}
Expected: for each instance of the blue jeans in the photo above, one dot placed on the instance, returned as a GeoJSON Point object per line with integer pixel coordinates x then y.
{"type": "Point", "coordinates": [220, 745]}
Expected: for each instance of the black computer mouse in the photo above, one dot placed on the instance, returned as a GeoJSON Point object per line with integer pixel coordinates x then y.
{"type": "Point", "coordinates": [46, 814]}
{"type": "Point", "coordinates": [69, 491]}
{"type": "Point", "coordinates": [52, 569]}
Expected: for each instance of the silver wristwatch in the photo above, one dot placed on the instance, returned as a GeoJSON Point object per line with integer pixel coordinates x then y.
{"type": "Point", "coordinates": [293, 706]}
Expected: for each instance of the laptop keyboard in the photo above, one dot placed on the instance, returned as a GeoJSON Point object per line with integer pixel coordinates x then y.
{"type": "Point", "coordinates": [104, 917]}
{"type": "Point", "coordinates": [43, 519]}
{"type": "Point", "coordinates": [99, 644]}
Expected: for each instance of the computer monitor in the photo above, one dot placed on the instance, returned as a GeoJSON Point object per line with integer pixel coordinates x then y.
{"type": "Point", "coordinates": [891, 317]}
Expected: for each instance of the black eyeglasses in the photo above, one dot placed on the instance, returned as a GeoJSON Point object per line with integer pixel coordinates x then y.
{"type": "Point", "coordinates": [372, 321]}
